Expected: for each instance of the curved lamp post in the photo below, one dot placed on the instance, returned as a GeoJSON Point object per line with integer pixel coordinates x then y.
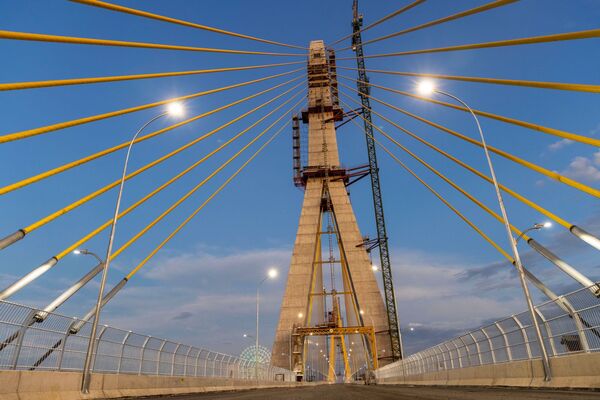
{"type": "Point", "coordinates": [427, 88]}
{"type": "Point", "coordinates": [535, 227]}
{"type": "Point", "coordinates": [174, 109]}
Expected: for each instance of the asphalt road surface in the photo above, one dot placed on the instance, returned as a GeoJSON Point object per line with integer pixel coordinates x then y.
{"type": "Point", "coordinates": [355, 392]}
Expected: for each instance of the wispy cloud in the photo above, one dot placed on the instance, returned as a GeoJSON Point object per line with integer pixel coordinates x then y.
{"type": "Point", "coordinates": [204, 297]}
{"type": "Point", "coordinates": [438, 302]}
{"type": "Point", "coordinates": [560, 144]}
{"type": "Point", "coordinates": [584, 168]}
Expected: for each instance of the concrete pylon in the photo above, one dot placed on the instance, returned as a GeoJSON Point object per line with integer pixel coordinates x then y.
{"type": "Point", "coordinates": [326, 197]}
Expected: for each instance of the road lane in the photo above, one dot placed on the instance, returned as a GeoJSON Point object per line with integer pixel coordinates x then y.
{"type": "Point", "coordinates": [385, 392]}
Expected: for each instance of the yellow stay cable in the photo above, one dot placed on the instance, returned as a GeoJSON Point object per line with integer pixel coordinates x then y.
{"type": "Point", "coordinates": [381, 20]}
{"type": "Point", "coordinates": [442, 176]}
{"type": "Point", "coordinates": [576, 87]}
{"type": "Point", "coordinates": [587, 34]}
{"type": "Point", "coordinates": [540, 128]}
{"type": "Point", "coordinates": [117, 78]}
{"type": "Point", "coordinates": [39, 37]}
{"type": "Point", "coordinates": [67, 124]}
{"type": "Point", "coordinates": [145, 14]}
{"type": "Point", "coordinates": [462, 14]}
{"type": "Point", "coordinates": [106, 188]}
{"type": "Point", "coordinates": [471, 224]}
{"type": "Point", "coordinates": [516, 195]}
{"type": "Point", "coordinates": [132, 207]}
{"type": "Point", "coordinates": [192, 215]}
{"type": "Point", "coordinates": [551, 174]}
{"type": "Point", "coordinates": [65, 167]}
{"type": "Point", "coordinates": [142, 232]}
{"type": "Point", "coordinates": [52, 261]}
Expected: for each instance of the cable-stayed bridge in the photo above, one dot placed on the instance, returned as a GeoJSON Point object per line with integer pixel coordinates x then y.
{"type": "Point", "coordinates": [339, 320]}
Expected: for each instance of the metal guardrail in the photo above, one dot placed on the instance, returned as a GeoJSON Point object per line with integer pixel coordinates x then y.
{"type": "Point", "coordinates": [570, 324]}
{"type": "Point", "coordinates": [26, 344]}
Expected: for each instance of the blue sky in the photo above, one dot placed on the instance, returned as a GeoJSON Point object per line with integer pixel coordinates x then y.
{"type": "Point", "coordinates": [447, 278]}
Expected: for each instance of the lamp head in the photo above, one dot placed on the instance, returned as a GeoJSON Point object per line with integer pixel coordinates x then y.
{"type": "Point", "coordinates": [543, 225]}
{"type": "Point", "coordinates": [79, 251]}
{"type": "Point", "coordinates": [175, 109]}
{"type": "Point", "coordinates": [374, 267]}
{"type": "Point", "coordinates": [272, 273]}
{"type": "Point", "coordinates": [426, 87]}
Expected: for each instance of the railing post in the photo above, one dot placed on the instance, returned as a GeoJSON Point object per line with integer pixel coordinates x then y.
{"type": "Point", "coordinates": [185, 365]}
{"type": "Point", "coordinates": [173, 358]}
{"type": "Point", "coordinates": [467, 352]}
{"type": "Point", "coordinates": [492, 350]}
{"type": "Point", "coordinates": [449, 352]}
{"type": "Point", "coordinates": [548, 330]}
{"type": "Point", "coordinates": [476, 347]}
{"type": "Point", "coordinates": [525, 336]}
{"type": "Point", "coordinates": [97, 347]}
{"type": "Point", "coordinates": [460, 364]}
{"type": "Point", "coordinates": [206, 362]}
{"type": "Point", "coordinates": [159, 353]}
{"type": "Point", "coordinates": [20, 336]}
{"type": "Point", "coordinates": [437, 358]}
{"type": "Point", "coordinates": [143, 353]}
{"type": "Point", "coordinates": [122, 351]}
{"type": "Point", "coordinates": [61, 353]}
{"type": "Point", "coordinates": [227, 371]}
{"type": "Point", "coordinates": [196, 363]}
{"type": "Point", "coordinates": [506, 344]}
{"type": "Point", "coordinates": [221, 364]}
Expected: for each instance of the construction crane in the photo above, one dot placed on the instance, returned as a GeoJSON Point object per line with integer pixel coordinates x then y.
{"type": "Point", "coordinates": [382, 240]}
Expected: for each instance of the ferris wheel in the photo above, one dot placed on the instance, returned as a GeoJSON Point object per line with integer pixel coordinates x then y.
{"type": "Point", "coordinates": [260, 354]}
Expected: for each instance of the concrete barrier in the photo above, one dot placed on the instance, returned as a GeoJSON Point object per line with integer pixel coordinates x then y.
{"type": "Point", "coordinates": [575, 371]}
{"type": "Point", "coordinates": [55, 385]}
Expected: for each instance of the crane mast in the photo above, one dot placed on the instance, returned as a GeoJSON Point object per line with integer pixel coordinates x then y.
{"type": "Point", "coordinates": [382, 240]}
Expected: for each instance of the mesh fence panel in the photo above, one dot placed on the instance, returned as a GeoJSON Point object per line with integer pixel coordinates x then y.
{"type": "Point", "coordinates": [30, 340]}
{"type": "Point", "coordinates": [570, 324]}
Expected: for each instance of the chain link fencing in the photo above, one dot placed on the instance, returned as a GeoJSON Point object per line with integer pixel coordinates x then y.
{"type": "Point", "coordinates": [570, 324]}
{"type": "Point", "coordinates": [33, 340]}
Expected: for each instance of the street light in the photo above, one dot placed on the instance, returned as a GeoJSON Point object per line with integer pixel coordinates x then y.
{"type": "Point", "coordinates": [174, 109]}
{"type": "Point", "coordinates": [374, 267]}
{"type": "Point", "coordinates": [427, 88]}
{"type": "Point", "coordinates": [271, 274]}
{"type": "Point", "coordinates": [86, 252]}
{"type": "Point", "coordinates": [535, 227]}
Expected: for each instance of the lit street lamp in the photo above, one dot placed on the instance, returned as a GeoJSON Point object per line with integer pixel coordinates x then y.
{"type": "Point", "coordinates": [271, 274]}
{"type": "Point", "coordinates": [535, 227]}
{"type": "Point", "coordinates": [86, 252]}
{"type": "Point", "coordinates": [427, 88]}
{"type": "Point", "coordinates": [174, 109]}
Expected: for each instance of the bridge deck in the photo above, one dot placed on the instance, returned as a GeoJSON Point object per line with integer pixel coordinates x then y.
{"type": "Point", "coordinates": [355, 392]}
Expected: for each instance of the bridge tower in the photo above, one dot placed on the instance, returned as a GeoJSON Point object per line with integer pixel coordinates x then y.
{"type": "Point", "coordinates": [331, 284]}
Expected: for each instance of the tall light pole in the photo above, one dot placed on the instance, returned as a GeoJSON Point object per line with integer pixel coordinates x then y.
{"type": "Point", "coordinates": [271, 274]}
{"type": "Point", "coordinates": [428, 88]}
{"type": "Point", "coordinates": [174, 109]}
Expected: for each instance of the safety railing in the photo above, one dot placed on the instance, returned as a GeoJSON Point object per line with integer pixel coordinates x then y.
{"type": "Point", "coordinates": [570, 324]}
{"type": "Point", "coordinates": [59, 343]}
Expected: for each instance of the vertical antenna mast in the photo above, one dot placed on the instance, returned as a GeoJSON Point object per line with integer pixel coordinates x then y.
{"type": "Point", "coordinates": [382, 241]}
